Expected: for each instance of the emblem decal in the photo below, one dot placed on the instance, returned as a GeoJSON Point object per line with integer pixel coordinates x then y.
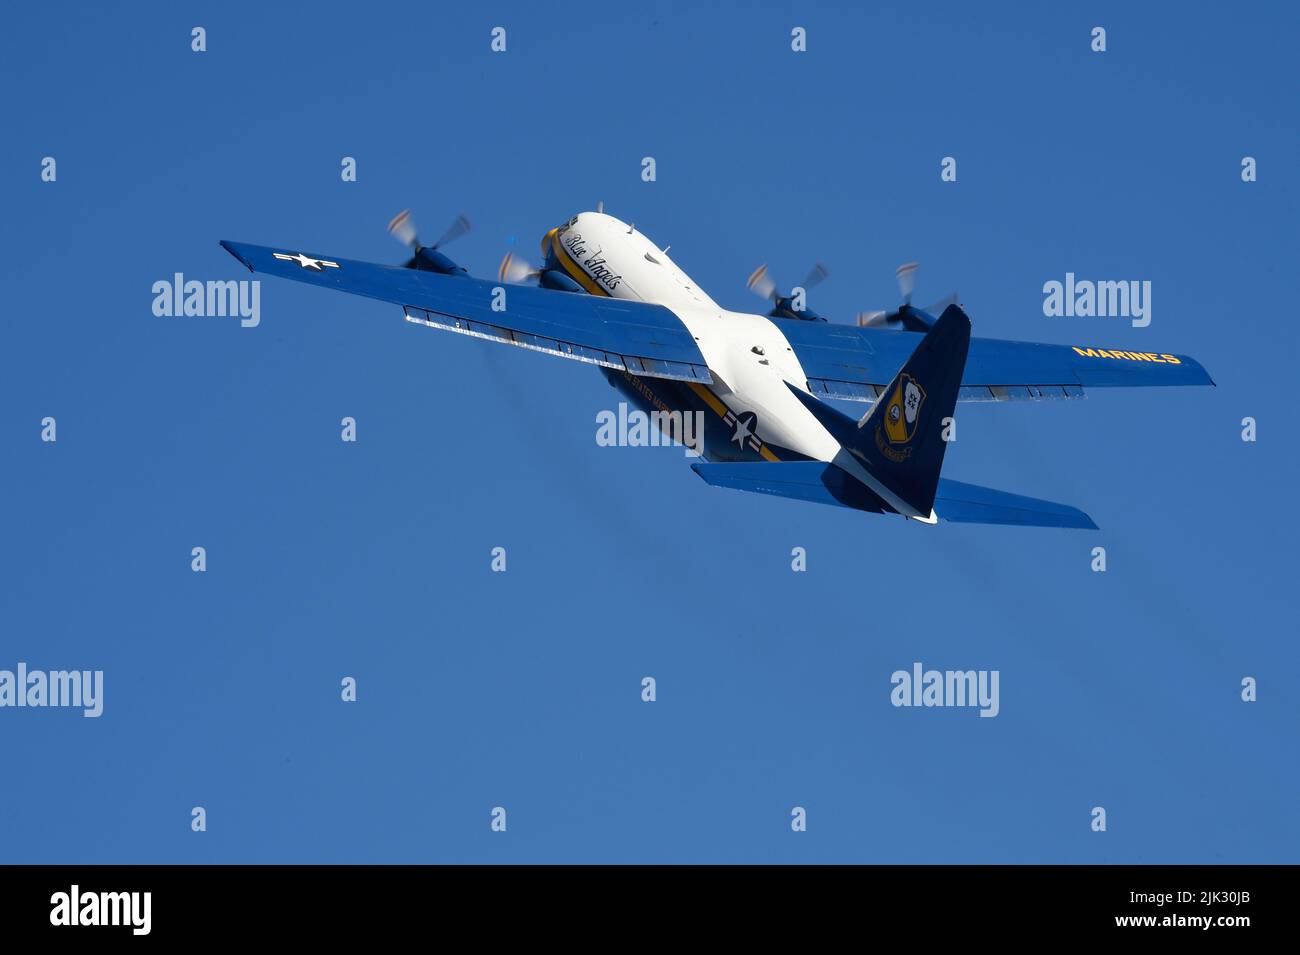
{"type": "Point", "coordinates": [902, 412]}
{"type": "Point", "coordinates": [746, 430]}
{"type": "Point", "coordinates": [307, 262]}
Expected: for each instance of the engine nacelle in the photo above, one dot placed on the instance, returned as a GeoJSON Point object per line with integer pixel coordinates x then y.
{"type": "Point", "coordinates": [431, 260]}
{"type": "Point", "coordinates": [557, 280]}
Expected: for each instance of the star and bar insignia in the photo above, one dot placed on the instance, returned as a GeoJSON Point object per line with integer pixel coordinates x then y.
{"type": "Point", "coordinates": [307, 262]}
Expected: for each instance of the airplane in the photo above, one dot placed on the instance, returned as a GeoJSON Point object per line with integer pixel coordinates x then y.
{"type": "Point", "coordinates": [607, 296]}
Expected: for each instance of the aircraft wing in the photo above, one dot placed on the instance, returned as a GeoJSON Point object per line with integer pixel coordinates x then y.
{"type": "Point", "coordinates": [848, 362]}
{"type": "Point", "coordinates": [643, 339]}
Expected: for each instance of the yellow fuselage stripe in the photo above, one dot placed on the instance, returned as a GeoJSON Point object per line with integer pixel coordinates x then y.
{"type": "Point", "coordinates": [710, 399]}
{"type": "Point", "coordinates": [574, 269]}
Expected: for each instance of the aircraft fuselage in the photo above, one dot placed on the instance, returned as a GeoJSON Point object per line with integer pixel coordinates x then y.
{"type": "Point", "coordinates": [749, 412]}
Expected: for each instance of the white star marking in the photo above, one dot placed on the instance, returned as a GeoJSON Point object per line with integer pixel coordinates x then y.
{"type": "Point", "coordinates": [307, 262]}
{"type": "Point", "coordinates": [742, 432]}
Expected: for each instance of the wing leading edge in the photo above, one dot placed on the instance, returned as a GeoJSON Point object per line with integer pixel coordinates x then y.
{"type": "Point", "coordinates": [643, 339]}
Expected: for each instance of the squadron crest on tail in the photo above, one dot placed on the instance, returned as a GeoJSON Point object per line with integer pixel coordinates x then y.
{"type": "Point", "coordinates": [902, 412]}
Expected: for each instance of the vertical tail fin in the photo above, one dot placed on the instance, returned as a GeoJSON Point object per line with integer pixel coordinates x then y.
{"type": "Point", "coordinates": [900, 440]}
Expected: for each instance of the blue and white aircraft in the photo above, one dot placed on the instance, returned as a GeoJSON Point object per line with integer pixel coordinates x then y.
{"type": "Point", "coordinates": [608, 296]}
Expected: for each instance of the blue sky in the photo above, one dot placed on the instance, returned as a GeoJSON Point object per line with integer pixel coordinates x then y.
{"type": "Point", "coordinates": [522, 689]}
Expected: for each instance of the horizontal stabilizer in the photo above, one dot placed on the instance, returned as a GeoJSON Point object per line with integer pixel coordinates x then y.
{"type": "Point", "coordinates": [822, 483]}
{"type": "Point", "coordinates": [814, 481]}
{"type": "Point", "coordinates": [971, 504]}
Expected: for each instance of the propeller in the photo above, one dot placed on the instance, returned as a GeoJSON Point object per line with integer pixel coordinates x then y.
{"type": "Point", "coordinates": [905, 315]}
{"type": "Point", "coordinates": [402, 228]}
{"type": "Point", "coordinates": [936, 308]}
{"type": "Point", "coordinates": [515, 269]}
{"type": "Point", "coordinates": [906, 275]}
{"type": "Point", "coordinates": [761, 283]}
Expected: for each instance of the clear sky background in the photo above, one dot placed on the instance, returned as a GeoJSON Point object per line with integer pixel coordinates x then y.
{"type": "Point", "coordinates": [522, 689]}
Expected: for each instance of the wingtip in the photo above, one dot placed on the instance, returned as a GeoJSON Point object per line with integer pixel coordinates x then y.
{"type": "Point", "coordinates": [1200, 367]}
{"type": "Point", "coordinates": [233, 250]}
{"type": "Point", "coordinates": [1080, 520]}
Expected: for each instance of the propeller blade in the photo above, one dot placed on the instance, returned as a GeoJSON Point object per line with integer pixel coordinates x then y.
{"type": "Point", "coordinates": [761, 283]}
{"type": "Point", "coordinates": [872, 319]}
{"type": "Point", "coordinates": [454, 231]}
{"type": "Point", "coordinates": [936, 308]}
{"type": "Point", "coordinates": [402, 228]}
{"type": "Point", "coordinates": [906, 275]}
{"type": "Point", "coordinates": [815, 277]}
{"type": "Point", "coordinates": [515, 269]}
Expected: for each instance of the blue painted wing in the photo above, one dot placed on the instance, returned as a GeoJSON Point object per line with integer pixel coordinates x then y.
{"type": "Point", "coordinates": [844, 361]}
{"type": "Point", "coordinates": [643, 339]}
{"type": "Point", "coordinates": [955, 501]}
